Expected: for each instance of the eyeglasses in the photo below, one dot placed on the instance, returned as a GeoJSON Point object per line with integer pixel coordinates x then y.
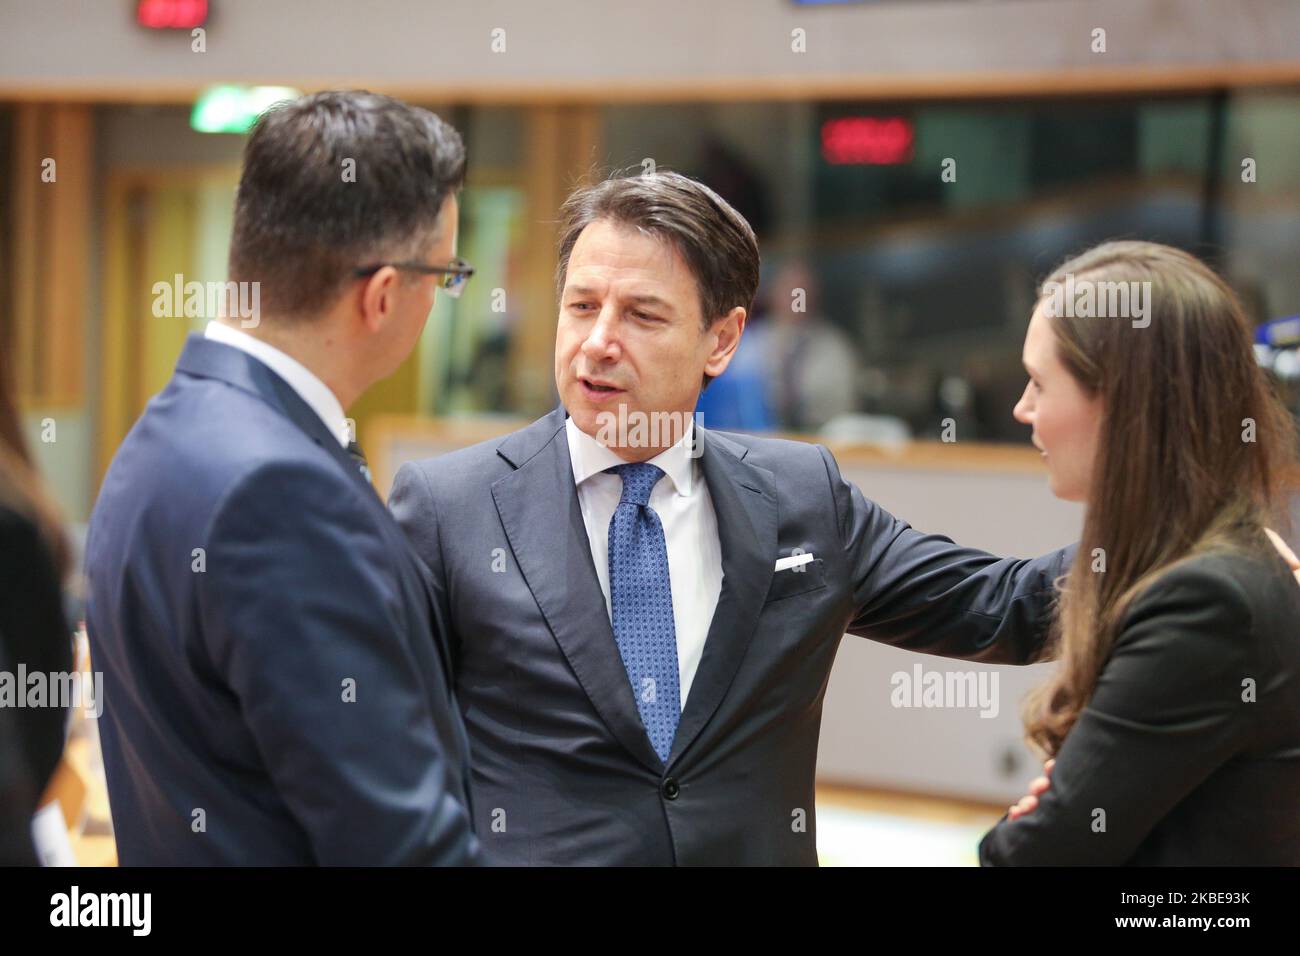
{"type": "Point", "coordinates": [454, 275]}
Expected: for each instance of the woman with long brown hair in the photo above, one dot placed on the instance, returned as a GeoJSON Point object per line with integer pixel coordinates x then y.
{"type": "Point", "coordinates": [33, 631]}
{"type": "Point", "coordinates": [1174, 714]}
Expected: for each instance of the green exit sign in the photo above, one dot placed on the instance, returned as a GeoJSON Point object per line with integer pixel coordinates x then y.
{"type": "Point", "coordinates": [234, 109]}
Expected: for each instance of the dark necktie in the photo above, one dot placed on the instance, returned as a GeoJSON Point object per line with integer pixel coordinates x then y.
{"type": "Point", "coordinates": [358, 456]}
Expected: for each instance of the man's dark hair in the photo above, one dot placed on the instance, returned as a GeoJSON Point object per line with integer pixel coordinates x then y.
{"type": "Point", "coordinates": [717, 243]}
{"type": "Point", "coordinates": [305, 216]}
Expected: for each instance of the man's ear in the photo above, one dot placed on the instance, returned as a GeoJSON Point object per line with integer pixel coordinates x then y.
{"type": "Point", "coordinates": [378, 298]}
{"type": "Point", "coordinates": [726, 331]}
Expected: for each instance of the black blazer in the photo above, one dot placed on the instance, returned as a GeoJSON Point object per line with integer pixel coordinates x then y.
{"type": "Point", "coordinates": [1189, 750]}
{"type": "Point", "coordinates": [34, 633]}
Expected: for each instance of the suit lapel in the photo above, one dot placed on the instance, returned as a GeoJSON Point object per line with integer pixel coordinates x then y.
{"type": "Point", "coordinates": [539, 509]}
{"type": "Point", "coordinates": [744, 500]}
{"type": "Point", "coordinates": [208, 359]}
{"type": "Point", "coordinates": [305, 417]}
{"type": "Point", "coordinates": [538, 505]}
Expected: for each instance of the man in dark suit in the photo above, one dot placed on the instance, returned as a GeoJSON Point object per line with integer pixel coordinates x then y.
{"type": "Point", "coordinates": [271, 691]}
{"type": "Point", "coordinates": [644, 612]}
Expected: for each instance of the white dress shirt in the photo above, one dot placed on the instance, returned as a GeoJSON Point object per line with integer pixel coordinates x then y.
{"type": "Point", "coordinates": [300, 378]}
{"type": "Point", "coordinates": [685, 509]}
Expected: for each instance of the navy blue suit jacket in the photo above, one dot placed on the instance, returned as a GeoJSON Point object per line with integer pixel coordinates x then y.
{"type": "Point", "coordinates": [272, 691]}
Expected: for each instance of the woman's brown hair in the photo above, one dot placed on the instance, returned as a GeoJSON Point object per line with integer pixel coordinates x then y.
{"type": "Point", "coordinates": [1193, 449]}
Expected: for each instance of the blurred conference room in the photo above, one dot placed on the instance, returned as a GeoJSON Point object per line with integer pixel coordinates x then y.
{"type": "Point", "coordinates": [912, 169]}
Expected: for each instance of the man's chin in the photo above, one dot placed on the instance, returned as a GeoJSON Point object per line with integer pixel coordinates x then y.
{"type": "Point", "coordinates": [589, 414]}
{"type": "Point", "coordinates": [584, 416]}
{"type": "Point", "coordinates": [606, 424]}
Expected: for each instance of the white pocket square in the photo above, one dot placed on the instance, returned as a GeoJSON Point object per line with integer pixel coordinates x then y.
{"type": "Point", "coordinates": [794, 561]}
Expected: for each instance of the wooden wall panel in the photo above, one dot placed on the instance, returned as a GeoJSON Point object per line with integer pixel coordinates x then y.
{"type": "Point", "coordinates": [49, 258]}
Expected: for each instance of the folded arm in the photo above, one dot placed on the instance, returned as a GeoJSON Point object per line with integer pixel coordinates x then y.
{"type": "Point", "coordinates": [1166, 712]}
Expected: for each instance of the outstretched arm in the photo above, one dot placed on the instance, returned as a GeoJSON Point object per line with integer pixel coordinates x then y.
{"type": "Point", "coordinates": [924, 593]}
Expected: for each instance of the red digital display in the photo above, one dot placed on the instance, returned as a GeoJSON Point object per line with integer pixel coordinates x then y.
{"type": "Point", "coordinates": [868, 140]}
{"type": "Point", "coordinates": [171, 14]}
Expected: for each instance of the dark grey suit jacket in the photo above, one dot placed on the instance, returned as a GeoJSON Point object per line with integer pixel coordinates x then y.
{"type": "Point", "coordinates": [1182, 765]}
{"type": "Point", "coordinates": [563, 771]}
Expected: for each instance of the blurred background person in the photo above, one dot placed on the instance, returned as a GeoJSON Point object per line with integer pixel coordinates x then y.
{"type": "Point", "coordinates": [34, 632]}
{"type": "Point", "coordinates": [739, 400]}
{"type": "Point", "coordinates": [812, 372]}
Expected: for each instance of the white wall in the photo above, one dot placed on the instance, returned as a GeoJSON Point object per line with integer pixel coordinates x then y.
{"type": "Point", "coordinates": [595, 45]}
{"type": "Point", "coordinates": [954, 752]}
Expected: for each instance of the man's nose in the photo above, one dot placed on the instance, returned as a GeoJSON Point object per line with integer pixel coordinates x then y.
{"type": "Point", "coordinates": [602, 341]}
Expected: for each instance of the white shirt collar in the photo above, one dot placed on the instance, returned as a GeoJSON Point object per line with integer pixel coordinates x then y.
{"type": "Point", "coordinates": [300, 378]}
{"type": "Point", "coordinates": [589, 457]}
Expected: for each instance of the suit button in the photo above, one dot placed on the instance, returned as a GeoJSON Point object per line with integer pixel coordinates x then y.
{"type": "Point", "coordinates": [670, 789]}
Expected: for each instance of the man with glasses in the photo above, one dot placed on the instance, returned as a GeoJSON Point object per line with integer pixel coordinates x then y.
{"type": "Point", "coordinates": [271, 691]}
{"type": "Point", "coordinates": [454, 275]}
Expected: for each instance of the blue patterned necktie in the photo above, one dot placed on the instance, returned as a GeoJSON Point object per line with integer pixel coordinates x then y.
{"type": "Point", "coordinates": [641, 600]}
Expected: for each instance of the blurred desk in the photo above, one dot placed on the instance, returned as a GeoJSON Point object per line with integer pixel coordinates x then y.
{"type": "Point", "coordinates": [392, 440]}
